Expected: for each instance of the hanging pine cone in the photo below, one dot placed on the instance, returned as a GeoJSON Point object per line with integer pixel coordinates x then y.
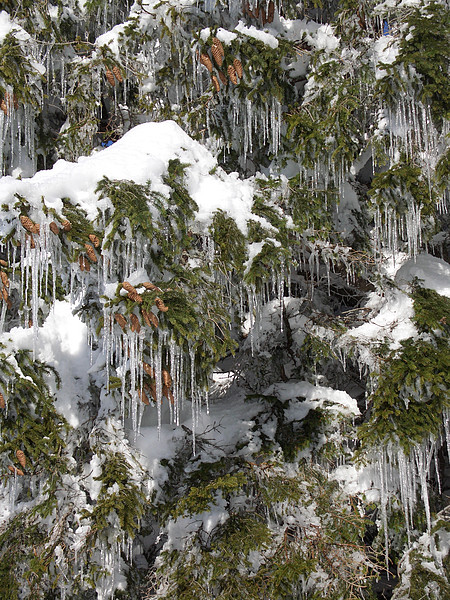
{"type": "Point", "coordinates": [150, 318]}
{"type": "Point", "coordinates": [21, 458]}
{"type": "Point", "coordinates": [160, 305]}
{"type": "Point", "coordinates": [216, 83]}
{"type": "Point", "coordinates": [218, 44]}
{"type": "Point", "coordinates": [143, 396]}
{"type": "Point", "coordinates": [117, 73]}
{"type": "Point", "coordinates": [223, 78]}
{"type": "Point", "coordinates": [3, 106]}
{"type": "Point", "coordinates": [148, 369]}
{"type": "Point", "coordinates": [28, 224]}
{"type": "Point", "coordinates": [15, 470]}
{"type": "Point", "coordinates": [81, 262]}
{"type": "Point", "coordinates": [54, 228]}
{"type": "Point", "coordinates": [2, 401]}
{"type": "Point", "coordinates": [151, 286]}
{"type": "Point", "coordinates": [110, 77]}
{"type": "Point", "coordinates": [5, 295]}
{"type": "Point", "coordinates": [205, 60]}
{"type": "Point", "coordinates": [167, 378]}
{"type": "Point", "coordinates": [4, 278]}
{"type": "Point", "coordinates": [120, 320]}
{"type": "Point", "coordinates": [135, 324]}
{"type": "Point", "coordinates": [135, 297]}
{"type": "Point", "coordinates": [238, 66]}
{"type": "Point", "coordinates": [232, 74]}
{"type": "Point", "coordinates": [66, 225]}
{"type": "Point", "coordinates": [91, 253]}
{"type": "Point", "coordinates": [217, 54]}
{"type": "Point", "coordinates": [94, 239]}
{"type": "Point", "coordinates": [128, 287]}
{"type": "Point", "coordinates": [3, 263]}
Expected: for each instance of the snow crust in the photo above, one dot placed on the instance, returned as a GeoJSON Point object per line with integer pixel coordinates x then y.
{"type": "Point", "coordinates": [142, 155]}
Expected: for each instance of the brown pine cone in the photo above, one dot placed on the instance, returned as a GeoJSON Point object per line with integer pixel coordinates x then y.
{"type": "Point", "coordinates": [4, 278]}
{"type": "Point", "coordinates": [238, 66]}
{"type": "Point", "coordinates": [160, 305]}
{"type": "Point", "coordinates": [94, 239]}
{"type": "Point", "coordinates": [54, 228]}
{"type": "Point", "coordinates": [135, 324]}
{"type": "Point", "coordinates": [205, 60]}
{"type": "Point", "coordinates": [91, 253]}
{"type": "Point", "coordinates": [28, 224]}
{"type": "Point", "coordinates": [110, 77]}
{"type": "Point", "coordinates": [15, 470]}
{"type": "Point", "coordinates": [4, 106]}
{"type": "Point", "coordinates": [2, 401]}
{"type": "Point", "coordinates": [120, 320]}
{"type": "Point", "coordinates": [232, 74]}
{"type": "Point", "coordinates": [167, 378]}
{"type": "Point", "coordinates": [217, 54]}
{"type": "Point", "coordinates": [117, 73]}
{"type": "Point", "coordinates": [148, 369]}
{"type": "Point", "coordinates": [21, 458]}
{"type": "Point", "coordinates": [150, 318]}
{"type": "Point", "coordinates": [216, 83]}
{"type": "Point", "coordinates": [66, 225]}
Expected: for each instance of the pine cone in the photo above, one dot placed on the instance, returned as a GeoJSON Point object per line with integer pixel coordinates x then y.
{"type": "Point", "coordinates": [223, 77]}
{"type": "Point", "coordinates": [66, 225]}
{"type": "Point", "coordinates": [2, 401]}
{"type": "Point", "coordinates": [5, 279]}
{"type": "Point", "coordinates": [120, 320]}
{"type": "Point", "coordinates": [54, 228]}
{"type": "Point", "coordinates": [148, 369]}
{"type": "Point", "coordinates": [232, 74]}
{"type": "Point", "coordinates": [135, 297]}
{"type": "Point", "coordinates": [81, 262]}
{"type": "Point", "coordinates": [94, 239]}
{"type": "Point", "coordinates": [3, 106]}
{"type": "Point", "coordinates": [110, 78]}
{"type": "Point", "coordinates": [218, 44]}
{"type": "Point", "coordinates": [135, 324]}
{"type": "Point", "coordinates": [5, 295]}
{"type": "Point", "coordinates": [205, 60]}
{"type": "Point", "coordinates": [238, 66]}
{"type": "Point", "coordinates": [28, 224]}
{"type": "Point", "coordinates": [91, 253]}
{"type": "Point", "coordinates": [150, 318]}
{"type": "Point", "coordinates": [117, 73]}
{"type": "Point", "coordinates": [167, 378]}
{"type": "Point", "coordinates": [3, 263]}
{"type": "Point", "coordinates": [21, 458]}
{"type": "Point", "coordinates": [151, 286]}
{"type": "Point", "coordinates": [128, 287]}
{"type": "Point", "coordinates": [217, 54]}
{"type": "Point", "coordinates": [160, 305]}
{"type": "Point", "coordinates": [216, 83]}
{"type": "Point", "coordinates": [143, 396]}
{"type": "Point", "coordinates": [15, 470]}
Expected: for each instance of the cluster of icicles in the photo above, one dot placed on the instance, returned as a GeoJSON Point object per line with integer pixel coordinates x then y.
{"type": "Point", "coordinates": [136, 348]}
{"type": "Point", "coordinates": [409, 473]}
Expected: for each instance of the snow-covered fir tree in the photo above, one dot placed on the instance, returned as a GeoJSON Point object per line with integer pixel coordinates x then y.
{"type": "Point", "coordinates": [225, 300]}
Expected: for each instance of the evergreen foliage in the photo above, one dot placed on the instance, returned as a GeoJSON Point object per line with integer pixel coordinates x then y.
{"type": "Point", "coordinates": [254, 401]}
